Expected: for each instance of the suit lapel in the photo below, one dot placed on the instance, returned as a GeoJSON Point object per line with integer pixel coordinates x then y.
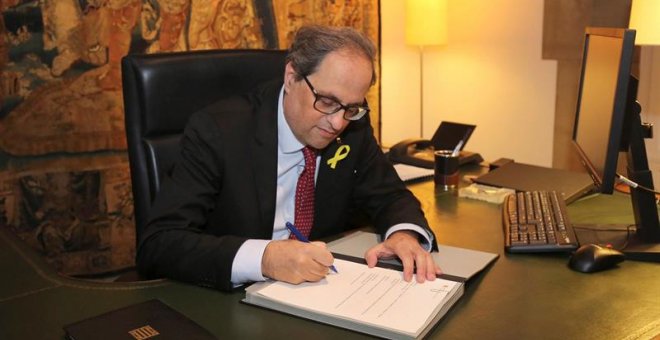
{"type": "Point", "coordinates": [264, 151]}
{"type": "Point", "coordinates": [328, 182]}
{"type": "Point", "coordinates": [334, 185]}
{"type": "Point", "coordinates": [325, 179]}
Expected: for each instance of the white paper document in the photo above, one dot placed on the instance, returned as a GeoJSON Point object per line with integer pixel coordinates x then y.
{"type": "Point", "coordinates": [409, 173]}
{"type": "Point", "coordinates": [375, 296]}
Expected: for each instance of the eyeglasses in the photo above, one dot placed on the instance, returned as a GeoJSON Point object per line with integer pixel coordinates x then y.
{"type": "Point", "coordinates": [328, 106]}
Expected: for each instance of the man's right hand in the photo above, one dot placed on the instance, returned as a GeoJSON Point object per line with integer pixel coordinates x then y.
{"type": "Point", "coordinates": [296, 262]}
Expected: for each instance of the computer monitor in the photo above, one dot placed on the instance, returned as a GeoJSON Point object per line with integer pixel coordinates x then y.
{"type": "Point", "coordinates": [608, 121]}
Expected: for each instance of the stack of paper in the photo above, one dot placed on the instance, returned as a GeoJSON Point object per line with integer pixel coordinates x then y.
{"type": "Point", "coordinates": [375, 301]}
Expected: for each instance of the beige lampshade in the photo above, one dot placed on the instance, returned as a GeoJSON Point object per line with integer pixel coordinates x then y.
{"type": "Point", "coordinates": [426, 22]}
{"type": "Point", "coordinates": [645, 18]}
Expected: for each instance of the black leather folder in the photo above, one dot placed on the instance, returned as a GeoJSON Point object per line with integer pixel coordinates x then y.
{"type": "Point", "coordinates": [146, 320]}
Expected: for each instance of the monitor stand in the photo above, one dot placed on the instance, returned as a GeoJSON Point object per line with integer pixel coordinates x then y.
{"type": "Point", "coordinates": [638, 251]}
{"type": "Point", "coordinates": [618, 237]}
{"type": "Point", "coordinates": [642, 244]}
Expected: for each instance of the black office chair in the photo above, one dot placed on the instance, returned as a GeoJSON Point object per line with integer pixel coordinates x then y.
{"type": "Point", "coordinates": [161, 91]}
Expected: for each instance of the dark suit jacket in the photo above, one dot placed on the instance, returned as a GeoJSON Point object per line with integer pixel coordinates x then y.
{"type": "Point", "coordinates": [223, 190]}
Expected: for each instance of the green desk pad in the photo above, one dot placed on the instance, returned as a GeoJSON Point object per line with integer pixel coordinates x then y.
{"type": "Point", "coordinates": [529, 296]}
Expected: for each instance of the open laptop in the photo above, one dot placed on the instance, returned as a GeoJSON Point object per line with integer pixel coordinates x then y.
{"type": "Point", "coordinates": [526, 177]}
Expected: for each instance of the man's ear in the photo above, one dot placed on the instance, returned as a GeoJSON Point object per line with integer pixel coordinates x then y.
{"type": "Point", "coordinates": [289, 76]}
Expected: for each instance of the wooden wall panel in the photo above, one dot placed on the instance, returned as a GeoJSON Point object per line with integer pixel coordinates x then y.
{"type": "Point", "coordinates": [564, 23]}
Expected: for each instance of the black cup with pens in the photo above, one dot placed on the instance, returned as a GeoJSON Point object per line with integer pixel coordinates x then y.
{"type": "Point", "coordinates": [446, 169]}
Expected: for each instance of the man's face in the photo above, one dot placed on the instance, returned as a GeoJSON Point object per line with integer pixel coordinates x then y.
{"type": "Point", "coordinates": [342, 75]}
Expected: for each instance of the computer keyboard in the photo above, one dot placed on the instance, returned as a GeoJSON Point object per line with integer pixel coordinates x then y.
{"type": "Point", "coordinates": [536, 221]}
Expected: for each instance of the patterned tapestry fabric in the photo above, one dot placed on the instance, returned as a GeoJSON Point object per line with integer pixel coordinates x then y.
{"type": "Point", "coordinates": [65, 187]}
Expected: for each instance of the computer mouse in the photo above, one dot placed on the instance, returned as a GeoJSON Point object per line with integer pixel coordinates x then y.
{"type": "Point", "coordinates": [591, 258]}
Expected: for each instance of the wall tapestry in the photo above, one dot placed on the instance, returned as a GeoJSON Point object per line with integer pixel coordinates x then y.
{"type": "Point", "coordinates": [64, 179]}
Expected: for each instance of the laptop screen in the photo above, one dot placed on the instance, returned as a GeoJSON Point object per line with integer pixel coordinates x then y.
{"type": "Point", "coordinates": [448, 134]}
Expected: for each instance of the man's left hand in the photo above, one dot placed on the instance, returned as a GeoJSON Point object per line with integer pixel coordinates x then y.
{"type": "Point", "coordinates": [405, 245]}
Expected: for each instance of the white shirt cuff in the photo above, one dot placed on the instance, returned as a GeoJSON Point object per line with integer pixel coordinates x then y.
{"type": "Point", "coordinates": [427, 237]}
{"type": "Point", "coordinates": [247, 262]}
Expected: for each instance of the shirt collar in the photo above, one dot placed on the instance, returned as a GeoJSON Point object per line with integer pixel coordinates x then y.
{"type": "Point", "coordinates": [286, 140]}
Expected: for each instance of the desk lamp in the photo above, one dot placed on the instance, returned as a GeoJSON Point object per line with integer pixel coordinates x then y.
{"type": "Point", "coordinates": [644, 18]}
{"type": "Point", "coordinates": [426, 25]}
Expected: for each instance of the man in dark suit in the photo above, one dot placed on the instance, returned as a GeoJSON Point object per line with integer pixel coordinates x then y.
{"type": "Point", "coordinates": [219, 219]}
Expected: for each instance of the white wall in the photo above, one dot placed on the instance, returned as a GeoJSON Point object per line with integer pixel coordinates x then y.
{"type": "Point", "coordinates": [490, 74]}
{"type": "Point", "coordinates": [648, 96]}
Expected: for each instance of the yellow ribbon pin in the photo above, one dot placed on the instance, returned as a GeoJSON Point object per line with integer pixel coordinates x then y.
{"type": "Point", "coordinates": [340, 154]}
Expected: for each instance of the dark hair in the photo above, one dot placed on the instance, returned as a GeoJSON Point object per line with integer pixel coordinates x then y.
{"type": "Point", "coordinates": [313, 42]}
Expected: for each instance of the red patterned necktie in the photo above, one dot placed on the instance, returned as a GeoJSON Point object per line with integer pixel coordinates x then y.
{"type": "Point", "coordinates": [304, 214]}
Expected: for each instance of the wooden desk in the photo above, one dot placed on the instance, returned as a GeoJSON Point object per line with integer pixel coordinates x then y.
{"type": "Point", "coordinates": [517, 297]}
